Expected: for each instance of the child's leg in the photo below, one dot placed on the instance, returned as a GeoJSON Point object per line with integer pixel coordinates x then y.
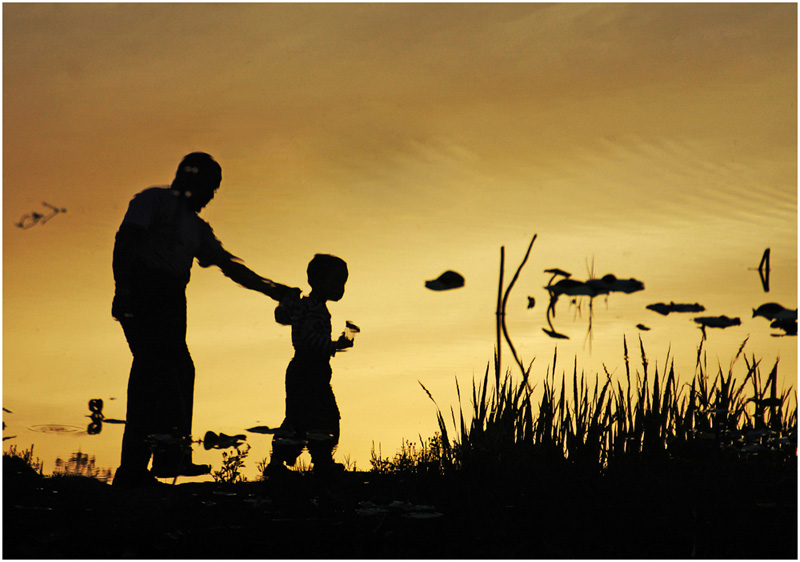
{"type": "Point", "coordinates": [288, 442]}
{"type": "Point", "coordinates": [325, 437]}
{"type": "Point", "coordinates": [322, 442]}
{"type": "Point", "coordinates": [286, 445]}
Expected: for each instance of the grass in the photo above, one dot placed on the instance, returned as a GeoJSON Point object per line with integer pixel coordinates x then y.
{"type": "Point", "coordinates": [597, 423]}
{"type": "Point", "coordinates": [25, 457]}
{"type": "Point", "coordinates": [232, 464]}
{"type": "Point", "coordinates": [735, 414]}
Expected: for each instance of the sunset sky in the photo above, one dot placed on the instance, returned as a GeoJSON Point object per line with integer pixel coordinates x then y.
{"type": "Point", "coordinates": [659, 140]}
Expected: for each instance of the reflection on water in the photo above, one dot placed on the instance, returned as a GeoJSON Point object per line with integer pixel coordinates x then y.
{"type": "Point", "coordinates": [98, 418]}
{"type": "Point", "coordinates": [33, 218]}
{"type": "Point", "coordinates": [670, 322]}
{"type": "Point", "coordinates": [590, 288]}
{"type": "Point", "coordinates": [81, 464]}
{"type": "Point", "coordinates": [763, 270]}
{"type": "Point", "coordinates": [56, 428]}
{"type": "Point", "coordinates": [688, 281]}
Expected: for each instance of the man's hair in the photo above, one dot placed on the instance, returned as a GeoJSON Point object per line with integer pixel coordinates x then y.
{"type": "Point", "coordinates": [194, 166]}
{"type": "Point", "coordinates": [324, 266]}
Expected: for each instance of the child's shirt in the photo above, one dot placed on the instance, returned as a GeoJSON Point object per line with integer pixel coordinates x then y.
{"type": "Point", "coordinates": [311, 326]}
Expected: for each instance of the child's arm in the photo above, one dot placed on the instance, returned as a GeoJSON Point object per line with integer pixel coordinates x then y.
{"type": "Point", "coordinates": [343, 343]}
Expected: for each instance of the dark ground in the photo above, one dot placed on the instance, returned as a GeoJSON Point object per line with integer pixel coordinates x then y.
{"type": "Point", "coordinates": [657, 511]}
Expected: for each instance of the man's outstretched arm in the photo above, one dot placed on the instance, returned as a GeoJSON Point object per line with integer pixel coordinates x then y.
{"type": "Point", "coordinates": [246, 277]}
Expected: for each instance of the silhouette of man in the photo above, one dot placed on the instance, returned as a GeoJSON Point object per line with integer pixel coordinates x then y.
{"type": "Point", "coordinates": [159, 238]}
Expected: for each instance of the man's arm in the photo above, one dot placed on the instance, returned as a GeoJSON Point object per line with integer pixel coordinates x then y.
{"type": "Point", "coordinates": [128, 240]}
{"type": "Point", "coordinates": [244, 276]}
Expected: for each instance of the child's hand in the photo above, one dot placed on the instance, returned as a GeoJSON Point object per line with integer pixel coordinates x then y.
{"type": "Point", "coordinates": [343, 343]}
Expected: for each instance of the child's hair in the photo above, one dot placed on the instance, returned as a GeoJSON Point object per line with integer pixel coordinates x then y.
{"type": "Point", "coordinates": [324, 266]}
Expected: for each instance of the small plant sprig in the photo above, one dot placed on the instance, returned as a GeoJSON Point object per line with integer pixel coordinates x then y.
{"type": "Point", "coordinates": [431, 458]}
{"type": "Point", "coordinates": [232, 464]}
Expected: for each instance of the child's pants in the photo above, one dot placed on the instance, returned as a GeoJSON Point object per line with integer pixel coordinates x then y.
{"type": "Point", "coordinates": [312, 416]}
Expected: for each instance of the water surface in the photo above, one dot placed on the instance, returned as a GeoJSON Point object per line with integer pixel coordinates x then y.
{"type": "Point", "coordinates": [643, 140]}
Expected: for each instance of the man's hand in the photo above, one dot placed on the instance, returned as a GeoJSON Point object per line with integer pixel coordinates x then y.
{"type": "Point", "coordinates": [249, 279]}
{"type": "Point", "coordinates": [281, 293]}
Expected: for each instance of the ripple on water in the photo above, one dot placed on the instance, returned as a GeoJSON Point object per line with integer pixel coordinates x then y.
{"type": "Point", "coordinates": [57, 428]}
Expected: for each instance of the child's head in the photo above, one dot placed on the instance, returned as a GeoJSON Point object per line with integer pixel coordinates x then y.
{"type": "Point", "coordinates": [327, 276]}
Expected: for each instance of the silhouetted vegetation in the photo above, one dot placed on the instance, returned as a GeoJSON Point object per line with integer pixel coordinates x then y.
{"type": "Point", "coordinates": [596, 424]}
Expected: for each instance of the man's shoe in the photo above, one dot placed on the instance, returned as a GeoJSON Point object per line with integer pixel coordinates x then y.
{"type": "Point", "coordinates": [127, 480]}
{"type": "Point", "coordinates": [189, 469]}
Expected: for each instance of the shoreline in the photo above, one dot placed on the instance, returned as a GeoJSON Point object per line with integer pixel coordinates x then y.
{"type": "Point", "coordinates": [642, 510]}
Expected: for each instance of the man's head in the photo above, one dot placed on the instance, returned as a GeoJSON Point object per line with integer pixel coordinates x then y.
{"type": "Point", "coordinates": [197, 178]}
{"type": "Point", "coordinates": [327, 276]}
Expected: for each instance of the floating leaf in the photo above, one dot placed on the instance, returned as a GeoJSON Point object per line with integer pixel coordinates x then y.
{"type": "Point", "coordinates": [665, 309]}
{"type": "Point", "coordinates": [717, 321]}
{"type": "Point", "coordinates": [446, 281]}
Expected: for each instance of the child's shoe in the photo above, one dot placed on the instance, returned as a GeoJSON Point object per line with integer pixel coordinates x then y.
{"type": "Point", "coordinates": [326, 468]}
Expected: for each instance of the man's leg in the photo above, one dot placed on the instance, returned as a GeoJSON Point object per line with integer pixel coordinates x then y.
{"type": "Point", "coordinates": [176, 398]}
{"type": "Point", "coordinates": [141, 402]}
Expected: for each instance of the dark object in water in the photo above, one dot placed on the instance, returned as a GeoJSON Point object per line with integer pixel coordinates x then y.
{"type": "Point", "coordinates": [264, 429]}
{"type": "Point", "coordinates": [717, 321]}
{"type": "Point", "coordinates": [96, 406]}
{"type": "Point", "coordinates": [665, 309]}
{"type": "Point", "coordinates": [643, 327]}
{"type": "Point", "coordinates": [213, 441]}
{"type": "Point", "coordinates": [555, 335]}
{"type": "Point", "coordinates": [446, 281]}
{"type": "Point", "coordinates": [32, 219]}
{"type": "Point", "coordinates": [352, 327]}
{"type": "Point", "coordinates": [572, 288]}
{"type": "Point", "coordinates": [774, 311]}
{"type": "Point", "coordinates": [788, 325]}
{"type": "Point", "coordinates": [763, 270]}
{"type": "Point", "coordinates": [98, 418]}
{"type": "Point", "coordinates": [531, 302]}
{"type": "Point", "coordinates": [556, 271]}
{"type": "Point", "coordinates": [613, 285]}
{"type": "Point", "coordinates": [96, 409]}
{"type": "Point", "coordinates": [594, 287]}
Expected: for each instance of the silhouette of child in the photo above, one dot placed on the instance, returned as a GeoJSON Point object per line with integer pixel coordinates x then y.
{"type": "Point", "coordinates": [312, 416]}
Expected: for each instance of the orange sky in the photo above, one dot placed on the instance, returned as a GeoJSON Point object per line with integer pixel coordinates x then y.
{"type": "Point", "coordinates": [658, 139]}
